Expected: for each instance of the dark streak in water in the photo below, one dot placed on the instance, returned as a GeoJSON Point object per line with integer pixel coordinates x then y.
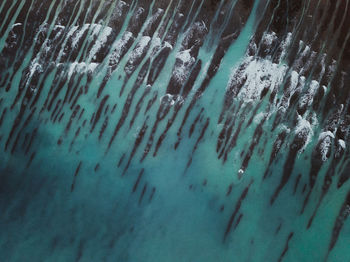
{"type": "Point", "coordinates": [237, 208]}
{"type": "Point", "coordinates": [285, 247]}
{"type": "Point", "coordinates": [138, 180]}
{"type": "Point", "coordinates": [75, 176]}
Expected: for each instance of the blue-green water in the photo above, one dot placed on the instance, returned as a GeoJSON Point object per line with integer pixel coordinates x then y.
{"type": "Point", "coordinates": [174, 131]}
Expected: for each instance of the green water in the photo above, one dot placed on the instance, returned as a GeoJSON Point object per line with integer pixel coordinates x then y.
{"type": "Point", "coordinates": [172, 210]}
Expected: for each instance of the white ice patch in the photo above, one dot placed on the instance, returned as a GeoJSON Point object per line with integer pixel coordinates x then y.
{"type": "Point", "coordinates": [309, 63]}
{"type": "Point", "coordinates": [285, 44]}
{"type": "Point", "coordinates": [306, 51]}
{"type": "Point", "coordinates": [100, 41]}
{"type": "Point", "coordinates": [307, 99]}
{"type": "Point", "coordinates": [171, 99]}
{"type": "Point", "coordinates": [139, 49]}
{"type": "Point", "coordinates": [59, 26]}
{"type": "Point", "coordinates": [155, 45]}
{"type": "Point", "coordinates": [17, 24]}
{"type": "Point", "coordinates": [331, 68]}
{"type": "Point", "coordinates": [154, 17]}
{"type": "Point", "coordinates": [184, 56]}
{"type": "Point", "coordinates": [323, 63]}
{"type": "Point", "coordinates": [323, 135]}
{"type": "Point", "coordinates": [326, 141]}
{"type": "Point", "coordinates": [303, 52]}
{"type": "Point", "coordinates": [34, 67]}
{"type": "Point", "coordinates": [304, 130]}
{"type": "Point", "coordinates": [259, 74]}
{"type": "Point", "coordinates": [118, 47]}
{"type": "Point", "coordinates": [81, 68]}
{"type": "Point", "coordinates": [283, 127]}
{"type": "Point", "coordinates": [268, 38]}
{"type": "Point", "coordinates": [342, 143]}
{"type": "Point", "coordinates": [79, 35]}
{"type": "Point", "coordinates": [294, 78]}
{"type": "Point", "coordinates": [285, 101]}
{"type": "Point", "coordinates": [259, 117]}
{"type": "Point", "coordinates": [184, 62]}
{"type": "Point", "coordinates": [324, 88]}
{"type": "Point", "coordinates": [240, 173]}
{"type": "Point", "coordinates": [71, 32]}
{"type": "Point", "coordinates": [118, 12]}
{"type": "Point", "coordinates": [196, 28]}
{"type": "Point", "coordinates": [136, 54]}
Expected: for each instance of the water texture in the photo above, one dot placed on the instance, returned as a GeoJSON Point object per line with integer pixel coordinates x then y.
{"type": "Point", "coordinates": [175, 130]}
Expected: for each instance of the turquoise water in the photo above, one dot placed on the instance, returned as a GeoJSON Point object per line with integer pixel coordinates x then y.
{"type": "Point", "coordinates": [173, 131]}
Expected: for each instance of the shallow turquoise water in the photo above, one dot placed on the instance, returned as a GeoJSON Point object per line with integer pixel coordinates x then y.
{"type": "Point", "coordinates": [76, 186]}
